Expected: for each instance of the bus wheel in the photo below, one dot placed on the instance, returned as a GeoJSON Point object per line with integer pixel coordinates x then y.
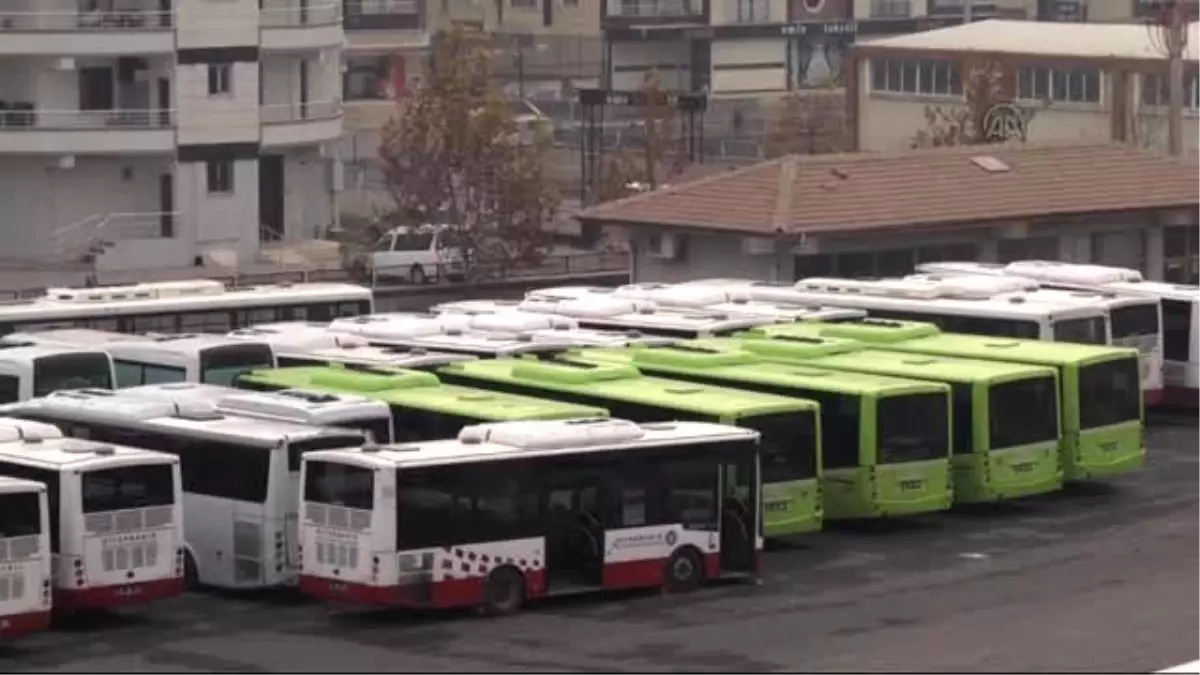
{"type": "Point", "coordinates": [504, 592]}
{"type": "Point", "coordinates": [684, 571]}
{"type": "Point", "coordinates": [191, 575]}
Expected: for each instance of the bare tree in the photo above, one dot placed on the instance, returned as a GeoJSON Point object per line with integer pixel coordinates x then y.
{"type": "Point", "coordinates": [967, 124]}
{"type": "Point", "coordinates": [809, 122]}
{"type": "Point", "coordinates": [453, 156]}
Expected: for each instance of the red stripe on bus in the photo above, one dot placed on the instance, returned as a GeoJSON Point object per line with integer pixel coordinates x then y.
{"type": "Point", "coordinates": [23, 624]}
{"type": "Point", "coordinates": [118, 595]}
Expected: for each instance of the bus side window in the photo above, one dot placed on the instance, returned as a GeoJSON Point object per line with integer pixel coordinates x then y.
{"type": "Point", "coordinates": [10, 389]}
{"type": "Point", "coordinates": [689, 492]}
{"type": "Point", "coordinates": [50, 479]}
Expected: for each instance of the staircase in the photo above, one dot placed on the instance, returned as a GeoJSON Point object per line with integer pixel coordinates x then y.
{"type": "Point", "coordinates": [87, 239]}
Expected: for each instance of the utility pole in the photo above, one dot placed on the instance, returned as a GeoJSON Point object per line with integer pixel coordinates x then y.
{"type": "Point", "coordinates": [1176, 43]}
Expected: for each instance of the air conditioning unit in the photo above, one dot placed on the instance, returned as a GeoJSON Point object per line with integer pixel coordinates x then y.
{"type": "Point", "coordinates": [666, 246]}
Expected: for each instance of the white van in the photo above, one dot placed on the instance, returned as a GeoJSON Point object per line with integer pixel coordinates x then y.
{"type": "Point", "coordinates": [417, 255]}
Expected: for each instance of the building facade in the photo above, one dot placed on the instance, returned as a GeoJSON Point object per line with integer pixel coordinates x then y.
{"type": "Point", "coordinates": [159, 133]}
{"type": "Point", "coordinates": [1084, 82]}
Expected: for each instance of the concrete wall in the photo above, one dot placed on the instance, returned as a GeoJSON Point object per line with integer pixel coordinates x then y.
{"type": "Point", "coordinates": [749, 66]}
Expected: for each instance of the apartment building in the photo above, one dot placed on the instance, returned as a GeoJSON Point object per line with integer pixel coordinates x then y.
{"type": "Point", "coordinates": [166, 131]}
{"type": "Point", "coordinates": [537, 45]}
{"type": "Point", "coordinates": [762, 48]}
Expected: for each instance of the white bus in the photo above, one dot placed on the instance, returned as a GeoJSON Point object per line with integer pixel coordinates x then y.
{"type": "Point", "coordinates": [731, 301]}
{"type": "Point", "coordinates": [307, 344]}
{"type": "Point", "coordinates": [290, 339]}
{"type": "Point", "coordinates": [522, 510]}
{"type": "Point", "coordinates": [371, 417]}
{"type": "Point", "coordinates": [431, 333]}
{"type": "Point", "coordinates": [611, 313]}
{"type": "Point", "coordinates": [1135, 310]}
{"type": "Point", "coordinates": [240, 476]}
{"type": "Point", "coordinates": [191, 306]}
{"type": "Point", "coordinates": [37, 370]}
{"type": "Point", "coordinates": [154, 359]}
{"type": "Point", "coordinates": [505, 316]}
{"type": "Point", "coordinates": [954, 305]}
{"type": "Point", "coordinates": [116, 521]}
{"type": "Point", "coordinates": [25, 565]}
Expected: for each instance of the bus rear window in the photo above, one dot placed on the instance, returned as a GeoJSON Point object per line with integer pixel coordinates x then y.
{"type": "Point", "coordinates": [1177, 327]}
{"type": "Point", "coordinates": [222, 365]}
{"type": "Point", "coordinates": [72, 371]}
{"type": "Point", "coordinates": [19, 515]}
{"type": "Point", "coordinates": [913, 428]}
{"type": "Point", "coordinates": [1022, 412]}
{"type": "Point", "coordinates": [1087, 331]}
{"type": "Point", "coordinates": [296, 449]}
{"type": "Point", "coordinates": [1109, 393]}
{"type": "Point", "coordinates": [339, 485]}
{"type": "Point", "coordinates": [789, 445]}
{"type": "Point", "coordinates": [127, 487]}
{"type": "Point", "coordinates": [1135, 321]}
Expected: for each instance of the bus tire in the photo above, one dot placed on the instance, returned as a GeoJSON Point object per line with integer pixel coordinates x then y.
{"type": "Point", "coordinates": [417, 276]}
{"type": "Point", "coordinates": [684, 570]}
{"type": "Point", "coordinates": [504, 591]}
{"type": "Point", "coordinates": [191, 573]}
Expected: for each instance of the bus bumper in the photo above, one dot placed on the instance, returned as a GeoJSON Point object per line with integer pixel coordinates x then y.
{"type": "Point", "coordinates": [23, 624]}
{"type": "Point", "coordinates": [1086, 470]}
{"type": "Point", "coordinates": [347, 593]}
{"type": "Point", "coordinates": [1180, 397]}
{"type": "Point", "coordinates": [118, 595]}
{"type": "Point", "coordinates": [971, 488]}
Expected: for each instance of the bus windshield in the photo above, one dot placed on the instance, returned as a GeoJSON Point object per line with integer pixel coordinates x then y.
{"type": "Point", "coordinates": [339, 485]}
{"type": "Point", "coordinates": [1109, 393]}
{"type": "Point", "coordinates": [913, 428]}
{"type": "Point", "coordinates": [1087, 331]}
{"type": "Point", "coordinates": [789, 445]}
{"type": "Point", "coordinates": [222, 365]}
{"type": "Point", "coordinates": [297, 449]}
{"type": "Point", "coordinates": [1022, 412]}
{"type": "Point", "coordinates": [1134, 321]}
{"type": "Point", "coordinates": [19, 515]}
{"type": "Point", "coordinates": [72, 371]}
{"type": "Point", "coordinates": [128, 487]}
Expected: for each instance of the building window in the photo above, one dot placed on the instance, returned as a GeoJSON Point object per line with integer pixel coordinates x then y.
{"type": "Point", "coordinates": [1033, 248]}
{"type": "Point", "coordinates": [891, 9]}
{"type": "Point", "coordinates": [1059, 85]}
{"type": "Point", "coordinates": [752, 11]}
{"type": "Point", "coordinates": [219, 175]}
{"type": "Point", "coordinates": [220, 79]}
{"type": "Point", "coordinates": [367, 78]}
{"type": "Point", "coordinates": [1155, 93]}
{"type": "Point", "coordinates": [523, 4]}
{"type": "Point", "coordinates": [924, 77]}
{"type": "Point", "coordinates": [1181, 254]}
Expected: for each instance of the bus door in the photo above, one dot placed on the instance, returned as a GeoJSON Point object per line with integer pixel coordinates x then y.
{"type": "Point", "coordinates": [574, 534]}
{"type": "Point", "coordinates": [739, 515]}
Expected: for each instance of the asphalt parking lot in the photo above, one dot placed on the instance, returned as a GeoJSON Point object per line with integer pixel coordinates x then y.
{"type": "Point", "coordinates": [1101, 578]}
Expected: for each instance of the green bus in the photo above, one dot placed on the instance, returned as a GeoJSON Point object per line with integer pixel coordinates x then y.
{"type": "Point", "coordinates": [1004, 417]}
{"type": "Point", "coordinates": [1104, 433]}
{"type": "Point", "coordinates": [885, 442]}
{"type": "Point", "coordinates": [423, 408]}
{"type": "Point", "coordinates": [790, 428]}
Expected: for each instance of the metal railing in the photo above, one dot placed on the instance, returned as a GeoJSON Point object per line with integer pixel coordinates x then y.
{"type": "Point", "coordinates": [653, 8]}
{"type": "Point", "coordinates": [112, 20]}
{"type": "Point", "coordinates": [24, 116]}
{"type": "Point", "coordinates": [298, 14]}
{"type": "Point", "coordinates": [891, 9]}
{"type": "Point", "coordinates": [98, 232]}
{"type": "Point", "coordinates": [551, 266]}
{"type": "Point", "coordinates": [286, 113]}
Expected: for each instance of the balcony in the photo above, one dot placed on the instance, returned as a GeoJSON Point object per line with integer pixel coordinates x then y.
{"type": "Point", "coordinates": [285, 124]}
{"type": "Point", "coordinates": [300, 24]}
{"type": "Point", "coordinates": [26, 129]}
{"type": "Point", "coordinates": [652, 12]}
{"type": "Point", "coordinates": [407, 15]}
{"type": "Point", "coordinates": [87, 32]}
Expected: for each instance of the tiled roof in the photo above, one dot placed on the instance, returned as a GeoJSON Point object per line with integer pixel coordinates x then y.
{"type": "Point", "coordinates": [860, 191]}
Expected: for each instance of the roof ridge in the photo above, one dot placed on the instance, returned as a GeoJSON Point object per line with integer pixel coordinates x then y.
{"type": "Point", "coordinates": [675, 188]}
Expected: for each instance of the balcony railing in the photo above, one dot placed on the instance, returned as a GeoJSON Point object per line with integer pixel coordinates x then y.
{"type": "Point", "coordinates": [387, 15]}
{"type": "Point", "coordinates": [891, 9]}
{"type": "Point", "coordinates": [286, 113]}
{"type": "Point", "coordinates": [27, 117]}
{"type": "Point", "coordinates": [293, 14]}
{"type": "Point", "coordinates": [101, 21]}
{"type": "Point", "coordinates": [634, 9]}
